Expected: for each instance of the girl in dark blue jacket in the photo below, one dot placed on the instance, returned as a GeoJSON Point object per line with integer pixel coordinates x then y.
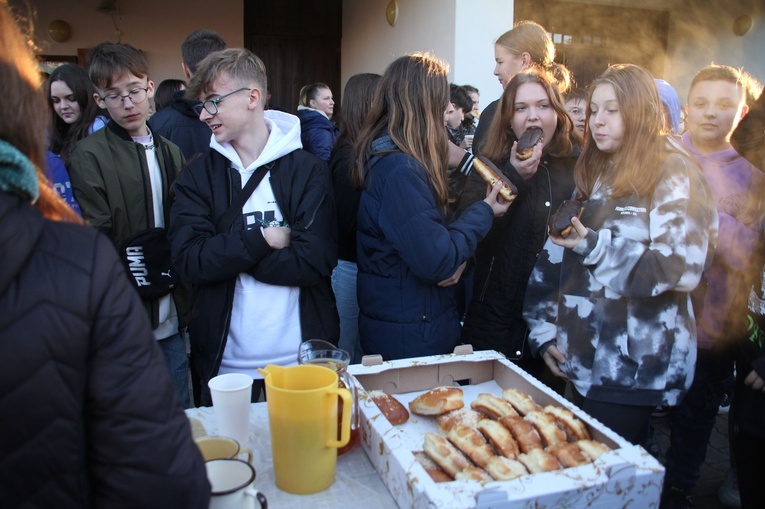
{"type": "Point", "coordinates": [410, 252]}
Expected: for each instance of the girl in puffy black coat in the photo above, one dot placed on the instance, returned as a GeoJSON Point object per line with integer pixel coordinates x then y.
{"type": "Point", "coordinates": [506, 257]}
{"type": "Point", "coordinates": [90, 417]}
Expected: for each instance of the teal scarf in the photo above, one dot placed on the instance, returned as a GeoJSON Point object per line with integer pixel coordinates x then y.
{"type": "Point", "coordinates": [17, 173]}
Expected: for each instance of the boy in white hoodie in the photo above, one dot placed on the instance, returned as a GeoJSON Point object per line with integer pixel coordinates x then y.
{"type": "Point", "coordinates": [262, 279]}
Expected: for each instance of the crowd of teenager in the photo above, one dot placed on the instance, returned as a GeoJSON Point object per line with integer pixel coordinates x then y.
{"type": "Point", "coordinates": [145, 251]}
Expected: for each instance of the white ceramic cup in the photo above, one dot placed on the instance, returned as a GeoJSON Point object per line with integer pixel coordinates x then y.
{"type": "Point", "coordinates": [231, 481]}
{"type": "Point", "coordinates": [231, 394]}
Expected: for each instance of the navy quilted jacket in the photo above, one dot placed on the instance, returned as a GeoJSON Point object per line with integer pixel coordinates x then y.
{"type": "Point", "coordinates": [317, 133]}
{"type": "Point", "coordinates": [405, 247]}
{"type": "Point", "coordinates": [89, 415]}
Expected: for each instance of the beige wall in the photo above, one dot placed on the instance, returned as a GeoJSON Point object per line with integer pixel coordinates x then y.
{"type": "Point", "coordinates": [157, 27]}
{"type": "Point", "coordinates": [370, 43]}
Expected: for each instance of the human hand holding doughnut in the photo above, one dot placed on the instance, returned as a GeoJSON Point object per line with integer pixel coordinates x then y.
{"type": "Point", "coordinates": [577, 234]}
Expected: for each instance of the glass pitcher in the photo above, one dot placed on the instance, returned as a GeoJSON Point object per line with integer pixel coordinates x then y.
{"type": "Point", "coordinates": [324, 353]}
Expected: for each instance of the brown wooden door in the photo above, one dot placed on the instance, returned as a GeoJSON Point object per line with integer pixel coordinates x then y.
{"type": "Point", "coordinates": [299, 41]}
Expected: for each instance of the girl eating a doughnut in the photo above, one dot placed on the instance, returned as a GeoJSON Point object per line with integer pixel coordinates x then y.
{"type": "Point", "coordinates": [410, 251]}
{"type": "Point", "coordinates": [506, 257]}
{"type": "Point", "coordinates": [609, 305]}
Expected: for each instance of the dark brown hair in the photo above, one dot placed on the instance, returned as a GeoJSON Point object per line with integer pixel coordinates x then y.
{"type": "Point", "coordinates": [110, 61]}
{"type": "Point", "coordinates": [62, 135]}
{"type": "Point", "coordinates": [500, 138]}
{"type": "Point", "coordinates": [414, 93]}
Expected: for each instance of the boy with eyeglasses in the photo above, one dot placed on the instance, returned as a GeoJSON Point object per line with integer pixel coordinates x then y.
{"type": "Point", "coordinates": [121, 177]}
{"type": "Point", "coordinates": [252, 228]}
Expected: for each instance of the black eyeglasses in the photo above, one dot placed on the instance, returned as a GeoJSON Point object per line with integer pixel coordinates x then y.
{"type": "Point", "coordinates": [137, 96]}
{"type": "Point", "coordinates": [211, 106]}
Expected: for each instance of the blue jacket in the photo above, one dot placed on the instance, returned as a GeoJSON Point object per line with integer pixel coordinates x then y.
{"type": "Point", "coordinates": [318, 133]}
{"type": "Point", "coordinates": [405, 247]}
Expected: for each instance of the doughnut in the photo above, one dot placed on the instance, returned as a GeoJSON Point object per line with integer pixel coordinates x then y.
{"type": "Point", "coordinates": [492, 406]}
{"type": "Point", "coordinates": [527, 141]}
{"type": "Point", "coordinates": [521, 401]}
{"type": "Point", "coordinates": [505, 469]}
{"type": "Point", "coordinates": [491, 174]}
{"type": "Point", "coordinates": [568, 454]}
{"type": "Point", "coordinates": [499, 437]}
{"type": "Point", "coordinates": [592, 448]}
{"type": "Point", "coordinates": [523, 432]}
{"type": "Point", "coordinates": [538, 460]}
{"type": "Point", "coordinates": [390, 407]}
{"type": "Point", "coordinates": [464, 416]}
{"type": "Point", "coordinates": [473, 473]}
{"type": "Point", "coordinates": [437, 401]}
{"type": "Point", "coordinates": [433, 470]}
{"type": "Point", "coordinates": [546, 427]}
{"type": "Point", "coordinates": [574, 428]}
{"type": "Point", "coordinates": [560, 222]}
{"type": "Point", "coordinates": [444, 454]}
{"type": "Point", "coordinates": [472, 443]}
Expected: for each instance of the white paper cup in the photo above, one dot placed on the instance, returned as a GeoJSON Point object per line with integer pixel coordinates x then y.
{"type": "Point", "coordinates": [231, 395]}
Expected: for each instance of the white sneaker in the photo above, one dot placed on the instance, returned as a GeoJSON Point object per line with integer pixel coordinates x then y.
{"type": "Point", "coordinates": [728, 492]}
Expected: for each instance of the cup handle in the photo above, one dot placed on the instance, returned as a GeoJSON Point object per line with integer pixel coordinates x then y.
{"type": "Point", "coordinates": [248, 453]}
{"type": "Point", "coordinates": [345, 428]}
{"type": "Point", "coordinates": [252, 492]}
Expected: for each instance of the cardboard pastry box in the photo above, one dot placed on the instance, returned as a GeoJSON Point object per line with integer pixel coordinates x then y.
{"type": "Point", "coordinates": [625, 477]}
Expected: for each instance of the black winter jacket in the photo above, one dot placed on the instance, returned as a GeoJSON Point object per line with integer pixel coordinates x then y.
{"type": "Point", "coordinates": [506, 257]}
{"type": "Point", "coordinates": [88, 412]}
{"type": "Point", "coordinates": [212, 260]}
{"type": "Point", "coordinates": [180, 124]}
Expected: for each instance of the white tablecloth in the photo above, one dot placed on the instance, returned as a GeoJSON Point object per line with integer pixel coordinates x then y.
{"type": "Point", "coordinates": [357, 483]}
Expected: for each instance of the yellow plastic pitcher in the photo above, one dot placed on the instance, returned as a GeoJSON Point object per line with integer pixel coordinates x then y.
{"type": "Point", "coordinates": [302, 415]}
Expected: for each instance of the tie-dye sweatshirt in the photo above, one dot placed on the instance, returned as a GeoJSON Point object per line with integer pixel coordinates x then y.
{"type": "Point", "coordinates": [618, 305]}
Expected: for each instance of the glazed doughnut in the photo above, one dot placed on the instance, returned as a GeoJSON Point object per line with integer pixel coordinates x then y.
{"type": "Point", "coordinates": [464, 416]}
{"type": "Point", "coordinates": [560, 222]}
{"type": "Point", "coordinates": [546, 427]}
{"type": "Point", "coordinates": [471, 443]}
{"type": "Point", "coordinates": [538, 460]}
{"type": "Point", "coordinates": [444, 454]}
{"type": "Point", "coordinates": [491, 174]}
{"type": "Point", "coordinates": [505, 469]}
{"type": "Point", "coordinates": [527, 141]}
{"type": "Point", "coordinates": [492, 406]}
{"type": "Point", "coordinates": [431, 468]}
{"type": "Point", "coordinates": [523, 432]}
{"type": "Point", "coordinates": [437, 401]}
{"type": "Point", "coordinates": [390, 407]}
{"type": "Point", "coordinates": [499, 436]}
{"type": "Point", "coordinates": [592, 448]}
{"type": "Point", "coordinates": [574, 428]}
{"type": "Point", "coordinates": [521, 401]}
{"type": "Point", "coordinates": [568, 454]}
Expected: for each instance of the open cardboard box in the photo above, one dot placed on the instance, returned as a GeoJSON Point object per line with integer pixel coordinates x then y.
{"type": "Point", "coordinates": [626, 476]}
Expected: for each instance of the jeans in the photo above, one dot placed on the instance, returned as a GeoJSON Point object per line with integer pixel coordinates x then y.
{"type": "Point", "coordinates": [174, 349]}
{"type": "Point", "coordinates": [344, 286]}
{"type": "Point", "coordinates": [694, 418]}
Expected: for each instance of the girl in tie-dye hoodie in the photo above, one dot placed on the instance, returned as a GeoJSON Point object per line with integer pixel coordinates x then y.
{"type": "Point", "coordinates": [609, 306]}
